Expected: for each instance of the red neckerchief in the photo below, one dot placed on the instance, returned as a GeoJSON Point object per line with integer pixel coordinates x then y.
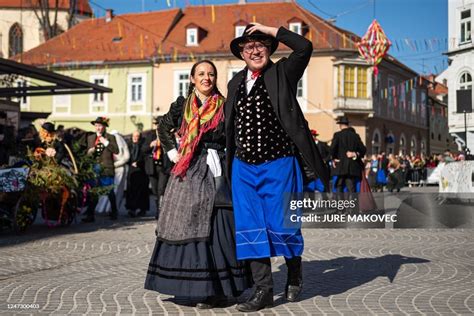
{"type": "Point", "coordinates": [255, 74]}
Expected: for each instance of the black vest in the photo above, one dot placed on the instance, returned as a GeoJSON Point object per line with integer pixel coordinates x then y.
{"type": "Point", "coordinates": [259, 136]}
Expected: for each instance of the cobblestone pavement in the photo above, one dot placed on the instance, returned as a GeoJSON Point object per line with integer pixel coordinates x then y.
{"type": "Point", "coordinates": [99, 269]}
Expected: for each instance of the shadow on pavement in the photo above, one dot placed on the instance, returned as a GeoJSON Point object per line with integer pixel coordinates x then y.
{"type": "Point", "coordinates": [40, 230]}
{"type": "Point", "coordinates": [336, 276]}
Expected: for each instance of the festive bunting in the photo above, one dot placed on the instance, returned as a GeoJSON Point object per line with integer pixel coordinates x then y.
{"type": "Point", "coordinates": [374, 45]}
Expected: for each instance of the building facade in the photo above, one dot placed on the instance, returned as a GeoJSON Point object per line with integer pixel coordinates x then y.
{"type": "Point", "coordinates": [336, 82]}
{"type": "Point", "coordinates": [20, 28]}
{"type": "Point", "coordinates": [459, 75]}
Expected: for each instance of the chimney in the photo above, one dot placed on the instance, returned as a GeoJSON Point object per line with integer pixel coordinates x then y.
{"type": "Point", "coordinates": [109, 15]}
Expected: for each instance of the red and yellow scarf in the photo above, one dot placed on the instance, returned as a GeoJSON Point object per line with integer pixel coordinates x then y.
{"type": "Point", "coordinates": [197, 121]}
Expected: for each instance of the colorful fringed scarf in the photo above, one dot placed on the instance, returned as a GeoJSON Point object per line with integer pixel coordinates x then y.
{"type": "Point", "coordinates": [197, 121]}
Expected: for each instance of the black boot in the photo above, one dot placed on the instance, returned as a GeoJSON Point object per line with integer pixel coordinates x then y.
{"type": "Point", "coordinates": [294, 283]}
{"type": "Point", "coordinates": [260, 299]}
{"type": "Point", "coordinates": [212, 301]}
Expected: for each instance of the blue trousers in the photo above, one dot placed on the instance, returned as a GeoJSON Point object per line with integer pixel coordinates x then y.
{"type": "Point", "coordinates": [258, 194]}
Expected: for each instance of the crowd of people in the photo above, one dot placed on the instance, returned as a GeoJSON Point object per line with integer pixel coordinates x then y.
{"type": "Point", "coordinates": [394, 172]}
{"type": "Point", "coordinates": [218, 168]}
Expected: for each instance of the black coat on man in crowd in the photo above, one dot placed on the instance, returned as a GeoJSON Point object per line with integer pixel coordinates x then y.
{"type": "Point", "coordinates": [347, 169]}
{"type": "Point", "coordinates": [158, 170]}
{"type": "Point", "coordinates": [137, 197]}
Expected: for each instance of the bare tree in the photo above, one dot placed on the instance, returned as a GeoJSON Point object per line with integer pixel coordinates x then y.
{"type": "Point", "coordinates": [46, 12]}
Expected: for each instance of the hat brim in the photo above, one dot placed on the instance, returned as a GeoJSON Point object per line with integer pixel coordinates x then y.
{"type": "Point", "coordinates": [48, 129]}
{"type": "Point", "coordinates": [99, 122]}
{"type": "Point", "coordinates": [235, 49]}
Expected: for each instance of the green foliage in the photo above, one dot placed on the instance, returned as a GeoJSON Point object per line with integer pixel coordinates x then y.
{"type": "Point", "coordinates": [47, 176]}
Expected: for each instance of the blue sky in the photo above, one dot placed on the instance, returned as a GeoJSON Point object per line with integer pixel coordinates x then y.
{"type": "Point", "coordinates": [418, 29]}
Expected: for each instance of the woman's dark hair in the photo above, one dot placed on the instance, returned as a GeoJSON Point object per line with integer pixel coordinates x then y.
{"type": "Point", "coordinates": [193, 71]}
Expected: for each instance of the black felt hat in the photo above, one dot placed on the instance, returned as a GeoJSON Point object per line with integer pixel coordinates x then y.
{"type": "Point", "coordinates": [342, 120]}
{"type": "Point", "coordinates": [255, 36]}
{"type": "Point", "coordinates": [101, 120]}
{"type": "Point", "coordinates": [48, 126]}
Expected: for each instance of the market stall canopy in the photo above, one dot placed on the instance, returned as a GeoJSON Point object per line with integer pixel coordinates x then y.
{"type": "Point", "coordinates": [54, 83]}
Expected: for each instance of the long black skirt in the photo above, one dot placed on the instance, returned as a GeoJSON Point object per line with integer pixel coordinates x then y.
{"type": "Point", "coordinates": [200, 268]}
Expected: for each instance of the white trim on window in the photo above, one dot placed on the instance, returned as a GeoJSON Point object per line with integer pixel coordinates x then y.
{"type": "Point", "coordinates": [61, 101]}
{"type": "Point", "coordinates": [302, 92]}
{"type": "Point", "coordinates": [465, 26]}
{"type": "Point", "coordinates": [136, 93]}
{"type": "Point", "coordinates": [402, 145]}
{"type": "Point", "coordinates": [413, 146]}
{"type": "Point", "coordinates": [232, 71]}
{"type": "Point", "coordinates": [98, 103]}
{"type": "Point", "coordinates": [465, 80]}
{"type": "Point", "coordinates": [295, 27]}
{"type": "Point", "coordinates": [192, 36]}
{"type": "Point", "coordinates": [24, 101]}
{"type": "Point", "coordinates": [239, 30]}
{"type": "Point", "coordinates": [181, 82]}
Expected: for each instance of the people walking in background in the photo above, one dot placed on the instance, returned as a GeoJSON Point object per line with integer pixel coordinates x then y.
{"type": "Point", "coordinates": [395, 174]}
{"type": "Point", "coordinates": [138, 195]}
{"type": "Point", "coordinates": [194, 253]}
{"type": "Point", "coordinates": [102, 146]}
{"type": "Point", "coordinates": [120, 177]}
{"type": "Point", "coordinates": [157, 164]}
{"type": "Point", "coordinates": [347, 151]}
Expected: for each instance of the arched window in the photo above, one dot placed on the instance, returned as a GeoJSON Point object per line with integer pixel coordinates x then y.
{"type": "Point", "coordinates": [403, 145]}
{"type": "Point", "coordinates": [465, 81]}
{"type": "Point", "coordinates": [376, 142]}
{"type": "Point", "coordinates": [423, 146]}
{"type": "Point", "coordinates": [413, 146]}
{"type": "Point", "coordinates": [15, 40]}
{"type": "Point", "coordinates": [390, 143]}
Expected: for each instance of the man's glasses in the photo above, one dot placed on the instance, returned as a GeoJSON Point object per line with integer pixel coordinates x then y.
{"type": "Point", "coordinates": [248, 49]}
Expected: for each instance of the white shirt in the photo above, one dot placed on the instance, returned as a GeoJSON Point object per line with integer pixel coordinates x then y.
{"type": "Point", "coordinates": [249, 81]}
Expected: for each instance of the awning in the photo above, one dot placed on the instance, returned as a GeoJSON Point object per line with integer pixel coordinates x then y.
{"type": "Point", "coordinates": [55, 83]}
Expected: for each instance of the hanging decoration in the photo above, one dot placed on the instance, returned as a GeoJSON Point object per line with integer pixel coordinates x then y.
{"type": "Point", "coordinates": [374, 45]}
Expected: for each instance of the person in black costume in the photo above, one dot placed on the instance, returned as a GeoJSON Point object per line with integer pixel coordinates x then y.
{"type": "Point", "coordinates": [194, 254]}
{"type": "Point", "coordinates": [157, 165]}
{"type": "Point", "coordinates": [347, 151]}
{"type": "Point", "coordinates": [138, 195]}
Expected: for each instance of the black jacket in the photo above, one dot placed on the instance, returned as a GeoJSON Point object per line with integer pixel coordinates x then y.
{"type": "Point", "coordinates": [342, 142]}
{"type": "Point", "coordinates": [281, 80]}
{"type": "Point", "coordinates": [106, 158]}
{"type": "Point", "coordinates": [164, 164]}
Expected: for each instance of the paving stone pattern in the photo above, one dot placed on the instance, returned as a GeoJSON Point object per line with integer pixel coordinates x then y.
{"type": "Point", "coordinates": [99, 269]}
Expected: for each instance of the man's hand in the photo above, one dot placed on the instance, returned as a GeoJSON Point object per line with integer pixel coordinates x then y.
{"type": "Point", "coordinates": [153, 143]}
{"type": "Point", "coordinates": [335, 162]}
{"type": "Point", "coordinates": [90, 150]}
{"type": "Point", "coordinates": [351, 154]}
{"type": "Point", "coordinates": [262, 28]}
